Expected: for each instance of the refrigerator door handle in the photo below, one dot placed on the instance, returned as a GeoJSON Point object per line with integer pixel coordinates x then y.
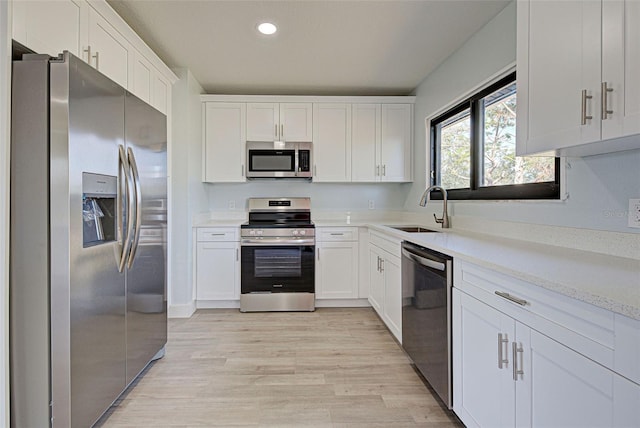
{"type": "Point", "coordinates": [138, 205]}
{"type": "Point", "coordinates": [126, 237]}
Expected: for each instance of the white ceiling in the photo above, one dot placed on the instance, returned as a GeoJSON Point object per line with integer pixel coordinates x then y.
{"type": "Point", "coordinates": [334, 47]}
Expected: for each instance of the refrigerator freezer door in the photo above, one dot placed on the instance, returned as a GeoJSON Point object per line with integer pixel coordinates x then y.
{"type": "Point", "coordinates": [146, 138]}
{"type": "Point", "coordinates": [87, 290]}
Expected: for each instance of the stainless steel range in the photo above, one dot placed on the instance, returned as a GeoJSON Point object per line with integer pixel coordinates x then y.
{"type": "Point", "coordinates": [278, 256]}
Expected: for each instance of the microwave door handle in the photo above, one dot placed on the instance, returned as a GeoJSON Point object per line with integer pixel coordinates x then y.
{"type": "Point", "coordinates": [296, 161]}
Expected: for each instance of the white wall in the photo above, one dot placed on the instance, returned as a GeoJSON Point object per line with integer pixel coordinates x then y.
{"type": "Point", "coordinates": [189, 196]}
{"type": "Point", "coordinates": [599, 187]}
{"type": "Point", "coordinates": [5, 122]}
{"type": "Point", "coordinates": [324, 196]}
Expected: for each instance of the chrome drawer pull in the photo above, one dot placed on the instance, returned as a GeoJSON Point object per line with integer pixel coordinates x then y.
{"type": "Point", "coordinates": [585, 97]}
{"type": "Point", "coordinates": [517, 371]}
{"type": "Point", "coordinates": [511, 298]}
{"type": "Point", "coordinates": [502, 361]}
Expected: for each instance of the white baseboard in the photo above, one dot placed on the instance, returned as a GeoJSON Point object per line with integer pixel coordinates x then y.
{"type": "Point", "coordinates": [181, 311]}
{"type": "Point", "coordinates": [342, 303]}
{"type": "Point", "coordinates": [217, 304]}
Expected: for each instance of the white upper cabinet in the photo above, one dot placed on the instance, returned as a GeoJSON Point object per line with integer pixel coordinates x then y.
{"type": "Point", "coordinates": [148, 84]}
{"type": "Point", "coordinates": [107, 50]}
{"type": "Point", "coordinates": [621, 67]}
{"type": "Point", "coordinates": [576, 60]}
{"type": "Point", "coordinates": [92, 31]}
{"type": "Point", "coordinates": [395, 150]}
{"type": "Point", "coordinates": [365, 142]}
{"type": "Point", "coordinates": [381, 142]}
{"type": "Point", "coordinates": [224, 142]}
{"type": "Point", "coordinates": [332, 142]}
{"type": "Point", "coordinates": [49, 26]}
{"type": "Point", "coordinates": [279, 121]}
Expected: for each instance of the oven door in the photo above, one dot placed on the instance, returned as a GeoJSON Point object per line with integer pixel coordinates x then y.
{"type": "Point", "coordinates": [271, 163]}
{"type": "Point", "coordinates": [277, 268]}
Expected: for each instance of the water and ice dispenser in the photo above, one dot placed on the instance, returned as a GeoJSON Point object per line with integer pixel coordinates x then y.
{"type": "Point", "coordinates": [99, 208]}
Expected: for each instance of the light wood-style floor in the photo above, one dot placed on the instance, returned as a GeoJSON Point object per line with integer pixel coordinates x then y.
{"type": "Point", "coordinates": [329, 368]}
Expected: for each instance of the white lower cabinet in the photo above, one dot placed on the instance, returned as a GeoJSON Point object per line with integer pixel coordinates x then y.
{"type": "Point", "coordinates": [217, 264]}
{"type": "Point", "coordinates": [385, 286]}
{"type": "Point", "coordinates": [506, 374]}
{"type": "Point", "coordinates": [337, 263]}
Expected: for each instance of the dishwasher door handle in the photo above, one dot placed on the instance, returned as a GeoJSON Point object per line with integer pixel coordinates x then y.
{"type": "Point", "coordinates": [424, 261]}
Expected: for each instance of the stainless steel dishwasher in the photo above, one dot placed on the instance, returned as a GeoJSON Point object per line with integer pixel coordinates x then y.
{"type": "Point", "coordinates": [426, 315]}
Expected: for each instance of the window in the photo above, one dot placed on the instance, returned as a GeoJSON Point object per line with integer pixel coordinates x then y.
{"type": "Point", "coordinates": [474, 151]}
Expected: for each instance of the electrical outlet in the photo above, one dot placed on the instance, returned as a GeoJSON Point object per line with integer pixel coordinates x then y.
{"type": "Point", "coordinates": [634, 213]}
{"type": "Point", "coordinates": [372, 204]}
{"type": "Point", "coordinates": [231, 204]}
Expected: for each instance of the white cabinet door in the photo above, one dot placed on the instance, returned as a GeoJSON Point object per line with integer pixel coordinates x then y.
{"type": "Point", "coordinates": [142, 78]}
{"type": "Point", "coordinates": [263, 121]}
{"type": "Point", "coordinates": [49, 26]}
{"type": "Point", "coordinates": [337, 270]}
{"type": "Point", "coordinates": [392, 306]}
{"type": "Point", "coordinates": [160, 92]}
{"type": "Point", "coordinates": [218, 271]}
{"type": "Point", "coordinates": [108, 51]}
{"type": "Point", "coordinates": [483, 393]}
{"type": "Point", "coordinates": [332, 142]}
{"type": "Point", "coordinates": [560, 387]}
{"type": "Point", "coordinates": [365, 142]}
{"type": "Point", "coordinates": [224, 142]}
{"type": "Point", "coordinates": [296, 122]}
{"type": "Point", "coordinates": [376, 280]}
{"type": "Point", "coordinates": [559, 55]}
{"type": "Point", "coordinates": [395, 150]}
{"type": "Point", "coordinates": [621, 67]}
{"type": "Point", "coordinates": [280, 121]}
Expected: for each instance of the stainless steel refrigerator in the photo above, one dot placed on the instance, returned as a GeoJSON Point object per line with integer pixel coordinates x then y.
{"type": "Point", "coordinates": [88, 241]}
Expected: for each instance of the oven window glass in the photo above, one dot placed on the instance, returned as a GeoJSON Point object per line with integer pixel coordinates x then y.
{"type": "Point", "coordinates": [276, 160]}
{"type": "Point", "coordinates": [279, 263]}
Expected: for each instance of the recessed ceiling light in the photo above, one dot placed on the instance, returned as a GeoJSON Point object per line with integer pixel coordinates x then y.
{"type": "Point", "coordinates": [267, 28]}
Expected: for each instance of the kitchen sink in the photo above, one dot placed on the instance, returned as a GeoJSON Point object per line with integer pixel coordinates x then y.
{"type": "Point", "coordinates": [412, 229]}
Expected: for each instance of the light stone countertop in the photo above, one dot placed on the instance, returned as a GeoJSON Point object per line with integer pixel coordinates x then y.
{"type": "Point", "coordinates": [609, 282]}
{"type": "Point", "coordinates": [220, 223]}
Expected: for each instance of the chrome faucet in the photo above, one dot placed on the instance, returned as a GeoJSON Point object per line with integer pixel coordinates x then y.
{"type": "Point", "coordinates": [444, 221]}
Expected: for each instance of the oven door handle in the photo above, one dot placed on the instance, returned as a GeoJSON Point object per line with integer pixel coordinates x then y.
{"type": "Point", "coordinates": [274, 241]}
{"type": "Point", "coordinates": [423, 261]}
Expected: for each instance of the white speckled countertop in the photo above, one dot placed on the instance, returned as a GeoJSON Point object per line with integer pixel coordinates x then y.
{"type": "Point", "coordinates": [605, 281]}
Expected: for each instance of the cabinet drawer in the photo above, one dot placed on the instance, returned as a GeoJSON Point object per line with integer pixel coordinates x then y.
{"type": "Point", "coordinates": [579, 325]}
{"type": "Point", "coordinates": [338, 234]}
{"type": "Point", "coordinates": [385, 242]}
{"type": "Point", "coordinates": [217, 234]}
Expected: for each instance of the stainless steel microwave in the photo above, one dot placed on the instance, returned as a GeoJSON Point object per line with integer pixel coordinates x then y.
{"type": "Point", "coordinates": [277, 159]}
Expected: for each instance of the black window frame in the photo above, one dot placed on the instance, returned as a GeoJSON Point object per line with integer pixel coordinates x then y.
{"type": "Point", "coordinates": [542, 190]}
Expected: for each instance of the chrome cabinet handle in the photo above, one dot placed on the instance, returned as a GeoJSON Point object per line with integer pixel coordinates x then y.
{"type": "Point", "coordinates": [276, 132]}
{"type": "Point", "coordinates": [242, 166]}
{"type": "Point", "coordinates": [97, 58]}
{"type": "Point", "coordinates": [315, 171]}
{"type": "Point", "coordinates": [381, 265]}
{"type": "Point", "coordinates": [605, 110]}
{"type": "Point", "coordinates": [377, 170]}
{"type": "Point", "coordinates": [138, 206]}
{"type": "Point", "coordinates": [511, 298]}
{"type": "Point", "coordinates": [384, 170]}
{"type": "Point", "coordinates": [378, 268]}
{"type": "Point", "coordinates": [88, 52]}
{"type": "Point", "coordinates": [282, 132]}
{"type": "Point", "coordinates": [502, 361]}
{"type": "Point", "coordinates": [237, 255]}
{"type": "Point", "coordinates": [318, 254]}
{"type": "Point", "coordinates": [517, 350]}
{"type": "Point", "coordinates": [584, 116]}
